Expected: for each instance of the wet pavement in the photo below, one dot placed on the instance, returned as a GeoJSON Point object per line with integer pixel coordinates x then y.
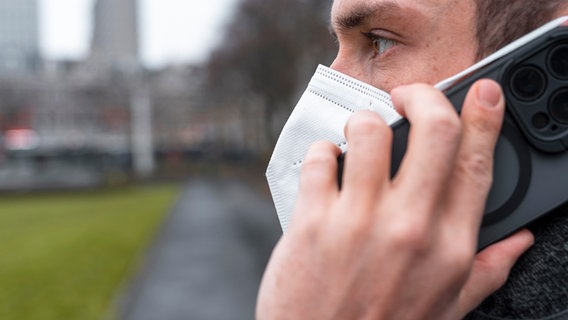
{"type": "Point", "coordinates": [209, 256]}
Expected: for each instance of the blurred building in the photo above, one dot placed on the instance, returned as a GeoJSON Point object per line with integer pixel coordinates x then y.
{"type": "Point", "coordinates": [115, 34]}
{"type": "Point", "coordinates": [76, 123]}
{"type": "Point", "coordinates": [19, 39]}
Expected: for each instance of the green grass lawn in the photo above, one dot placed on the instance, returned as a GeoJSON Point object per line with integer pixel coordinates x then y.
{"type": "Point", "coordinates": [65, 256]}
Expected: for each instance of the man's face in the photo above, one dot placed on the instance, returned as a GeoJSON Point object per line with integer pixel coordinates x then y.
{"type": "Point", "coordinates": [388, 43]}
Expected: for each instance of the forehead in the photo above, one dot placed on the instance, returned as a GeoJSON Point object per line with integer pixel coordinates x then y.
{"type": "Point", "coordinates": [354, 11]}
{"type": "Point", "coordinates": [422, 4]}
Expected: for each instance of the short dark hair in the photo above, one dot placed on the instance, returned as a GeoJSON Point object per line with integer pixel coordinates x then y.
{"type": "Point", "coordinates": [499, 22]}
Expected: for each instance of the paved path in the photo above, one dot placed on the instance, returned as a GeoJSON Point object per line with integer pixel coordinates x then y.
{"type": "Point", "coordinates": [209, 257]}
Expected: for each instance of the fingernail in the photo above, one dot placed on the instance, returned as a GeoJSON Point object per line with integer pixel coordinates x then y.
{"type": "Point", "coordinates": [488, 93]}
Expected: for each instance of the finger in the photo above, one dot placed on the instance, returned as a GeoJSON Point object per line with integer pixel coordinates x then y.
{"type": "Point", "coordinates": [318, 179]}
{"type": "Point", "coordinates": [482, 115]}
{"type": "Point", "coordinates": [434, 139]}
{"type": "Point", "coordinates": [491, 269]}
{"type": "Point", "coordinates": [367, 163]}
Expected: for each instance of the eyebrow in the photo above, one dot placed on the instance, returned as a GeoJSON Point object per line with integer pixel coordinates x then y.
{"type": "Point", "coordinates": [362, 13]}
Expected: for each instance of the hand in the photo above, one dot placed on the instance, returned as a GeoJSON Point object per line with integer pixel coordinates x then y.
{"type": "Point", "coordinates": [401, 248]}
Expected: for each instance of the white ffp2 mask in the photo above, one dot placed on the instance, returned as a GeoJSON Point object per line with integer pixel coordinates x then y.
{"type": "Point", "coordinates": [321, 114]}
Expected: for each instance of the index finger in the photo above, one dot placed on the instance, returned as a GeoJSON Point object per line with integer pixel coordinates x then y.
{"type": "Point", "coordinates": [434, 140]}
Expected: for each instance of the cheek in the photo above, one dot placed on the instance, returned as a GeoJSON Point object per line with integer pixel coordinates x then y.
{"type": "Point", "coordinates": [409, 71]}
{"type": "Point", "coordinates": [437, 65]}
{"type": "Point", "coordinates": [454, 53]}
{"type": "Point", "coordinates": [453, 61]}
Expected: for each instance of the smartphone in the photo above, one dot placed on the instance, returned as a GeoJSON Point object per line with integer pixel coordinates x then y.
{"type": "Point", "coordinates": [530, 176]}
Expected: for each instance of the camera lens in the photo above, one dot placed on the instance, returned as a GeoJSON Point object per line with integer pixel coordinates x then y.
{"type": "Point", "coordinates": [528, 83]}
{"type": "Point", "coordinates": [540, 120]}
{"type": "Point", "coordinates": [558, 61]}
{"type": "Point", "coordinates": [558, 106]}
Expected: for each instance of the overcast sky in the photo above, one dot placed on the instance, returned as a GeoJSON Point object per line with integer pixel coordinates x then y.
{"type": "Point", "coordinates": [172, 31]}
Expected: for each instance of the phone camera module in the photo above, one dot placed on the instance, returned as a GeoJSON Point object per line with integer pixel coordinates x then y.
{"type": "Point", "coordinates": [558, 61]}
{"type": "Point", "coordinates": [528, 83]}
{"type": "Point", "coordinates": [558, 106]}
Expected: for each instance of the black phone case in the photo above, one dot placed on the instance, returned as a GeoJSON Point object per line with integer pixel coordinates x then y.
{"type": "Point", "coordinates": [530, 175]}
{"type": "Point", "coordinates": [530, 171]}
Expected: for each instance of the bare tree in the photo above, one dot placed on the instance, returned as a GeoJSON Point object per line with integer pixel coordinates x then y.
{"type": "Point", "coordinates": [268, 51]}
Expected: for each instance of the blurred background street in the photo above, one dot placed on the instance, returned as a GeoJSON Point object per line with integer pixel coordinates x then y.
{"type": "Point", "coordinates": [134, 136]}
{"type": "Point", "coordinates": [209, 255]}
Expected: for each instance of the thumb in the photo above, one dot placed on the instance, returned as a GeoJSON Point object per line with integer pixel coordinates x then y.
{"type": "Point", "coordinates": [491, 269]}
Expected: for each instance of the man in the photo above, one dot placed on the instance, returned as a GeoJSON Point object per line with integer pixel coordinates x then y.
{"type": "Point", "coordinates": [404, 248]}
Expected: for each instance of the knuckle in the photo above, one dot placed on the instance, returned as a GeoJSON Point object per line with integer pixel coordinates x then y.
{"type": "Point", "coordinates": [319, 159]}
{"type": "Point", "coordinates": [461, 259]}
{"type": "Point", "coordinates": [320, 154]}
{"type": "Point", "coordinates": [477, 167]}
{"type": "Point", "coordinates": [360, 224]}
{"type": "Point", "coordinates": [446, 123]}
{"type": "Point", "coordinates": [445, 127]}
{"type": "Point", "coordinates": [367, 123]}
{"type": "Point", "coordinates": [413, 237]}
{"type": "Point", "coordinates": [482, 124]}
{"type": "Point", "coordinates": [458, 262]}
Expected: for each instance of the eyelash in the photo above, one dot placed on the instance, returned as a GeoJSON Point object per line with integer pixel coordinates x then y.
{"type": "Point", "coordinates": [379, 44]}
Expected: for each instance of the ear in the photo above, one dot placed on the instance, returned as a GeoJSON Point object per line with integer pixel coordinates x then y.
{"type": "Point", "coordinates": [562, 11]}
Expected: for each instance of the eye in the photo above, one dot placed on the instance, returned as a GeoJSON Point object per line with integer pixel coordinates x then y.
{"type": "Point", "coordinates": [380, 44]}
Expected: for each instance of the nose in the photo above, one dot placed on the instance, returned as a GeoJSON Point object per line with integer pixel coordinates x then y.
{"type": "Point", "coordinates": [350, 67]}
